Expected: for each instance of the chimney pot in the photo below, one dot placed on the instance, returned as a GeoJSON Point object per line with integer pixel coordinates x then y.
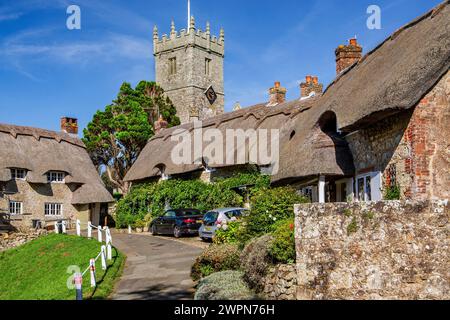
{"type": "Point", "coordinates": [348, 55]}
{"type": "Point", "coordinates": [160, 124]}
{"type": "Point", "coordinates": [315, 80]}
{"type": "Point", "coordinates": [69, 125]}
{"type": "Point", "coordinates": [308, 79]}
{"type": "Point", "coordinates": [277, 95]}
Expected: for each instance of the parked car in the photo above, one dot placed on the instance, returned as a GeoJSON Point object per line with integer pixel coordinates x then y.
{"type": "Point", "coordinates": [215, 217]}
{"type": "Point", "coordinates": [177, 223]}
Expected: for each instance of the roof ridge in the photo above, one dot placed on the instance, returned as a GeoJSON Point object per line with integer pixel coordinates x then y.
{"type": "Point", "coordinates": [38, 133]}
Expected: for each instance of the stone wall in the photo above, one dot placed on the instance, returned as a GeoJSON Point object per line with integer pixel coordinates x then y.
{"type": "Point", "coordinates": [376, 250]}
{"type": "Point", "coordinates": [15, 239]}
{"type": "Point", "coordinates": [281, 283]}
{"type": "Point", "coordinates": [411, 148]}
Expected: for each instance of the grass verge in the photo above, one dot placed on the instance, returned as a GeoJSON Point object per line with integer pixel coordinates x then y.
{"type": "Point", "coordinates": [40, 269]}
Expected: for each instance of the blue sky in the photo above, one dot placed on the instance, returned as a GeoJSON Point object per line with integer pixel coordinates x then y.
{"type": "Point", "coordinates": [48, 71]}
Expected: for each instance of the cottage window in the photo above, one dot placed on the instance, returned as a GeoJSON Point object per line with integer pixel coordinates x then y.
{"type": "Point", "coordinates": [18, 174]}
{"type": "Point", "coordinates": [55, 177]}
{"type": "Point", "coordinates": [53, 209]}
{"type": "Point", "coordinates": [368, 187]}
{"type": "Point", "coordinates": [15, 207]}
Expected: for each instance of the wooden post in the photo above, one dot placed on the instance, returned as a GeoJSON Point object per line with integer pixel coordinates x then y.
{"type": "Point", "coordinates": [109, 251]}
{"type": "Point", "coordinates": [99, 234]}
{"type": "Point", "coordinates": [63, 226]}
{"type": "Point", "coordinates": [321, 187]}
{"type": "Point", "coordinates": [92, 272]}
{"type": "Point", "coordinates": [89, 230]}
{"type": "Point", "coordinates": [103, 256]}
{"type": "Point", "coordinates": [78, 282]}
{"type": "Point", "coordinates": [56, 227]}
{"type": "Point", "coordinates": [129, 229]}
{"type": "Point", "coordinates": [78, 228]}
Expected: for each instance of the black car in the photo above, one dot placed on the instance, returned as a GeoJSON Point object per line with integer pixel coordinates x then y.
{"type": "Point", "coordinates": [178, 223]}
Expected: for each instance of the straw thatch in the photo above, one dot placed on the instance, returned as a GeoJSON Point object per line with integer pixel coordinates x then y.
{"type": "Point", "coordinates": [40, 151]}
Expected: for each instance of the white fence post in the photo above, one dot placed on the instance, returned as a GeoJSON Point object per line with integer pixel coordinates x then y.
{"type": "Point", "coordinates": [64, 226]}
{"type": "Point", "coordinates": [92, 271]}
{"type": "Point", "coordinates": [103, 255]}
{"type": "Point", "coordinates": [78, 282]}
{"type": "Point", "coordinates": [109, 251]}
{"type": "Point", "coordinates": [89, 230]}
{"type": "Point", "coordinates": [129, 229]}
{"type": "Point", "coordinates": [56, 227]}
{"type": "Point", "coordinates": [99, 234]}
{"type": "Point", "coordinates": [78, 228]}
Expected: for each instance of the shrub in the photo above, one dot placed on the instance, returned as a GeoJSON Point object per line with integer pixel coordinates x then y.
{"type": "Point", "coordinates": [215, 258]}
{"type": "Point", "coordinates": [226, 285]}
{"type": "Point", "coordinates": [154, 198]}
{"type": "Point", "coordinates": [229, 233]}
{"type": "Point", "coordinates": [392, 193]}
{"type": "Point", "coordinates": [270, 206]}
{"type": "Point", "coordinates": [283, 246]}
{"type": "Point", "coordinates": [255, 262]}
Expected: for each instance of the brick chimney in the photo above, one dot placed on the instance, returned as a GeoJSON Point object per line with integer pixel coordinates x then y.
{"type": "Point", "coordinates": [310, 85]}
{"type": "Point", "coordinates": [69, 125]}
{"type": "Point", "coordinates": [347, 55]}
{"type": "Point", "coordinates": [277, 95]}
{"type": "Point", "coordinates": [160, 125]}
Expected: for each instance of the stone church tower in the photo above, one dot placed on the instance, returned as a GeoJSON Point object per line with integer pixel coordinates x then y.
{"type": "Point", "coordinates": [189, 67]}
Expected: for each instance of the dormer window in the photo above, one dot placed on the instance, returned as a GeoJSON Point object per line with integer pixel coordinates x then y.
{"type": "Point", "coordinates": [55, 177]}
{"type": "Point", "coordinates": [18, 174]}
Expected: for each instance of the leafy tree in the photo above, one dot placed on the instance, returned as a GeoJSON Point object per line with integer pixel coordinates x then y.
{"type": "Point", "coordinates": [116, 136]}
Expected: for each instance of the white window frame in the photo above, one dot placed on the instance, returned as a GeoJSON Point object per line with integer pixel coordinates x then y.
{"type": "Point", "coordinates": [53, 209]}
{"type": "Point", "coordinates": [375, 186]}
{"type": "Point", "coordinates": [18, 174]}
{"type": "Point", "coordinates": [56, 177]}
{"type": "Point", "coordinates": [17, 207]}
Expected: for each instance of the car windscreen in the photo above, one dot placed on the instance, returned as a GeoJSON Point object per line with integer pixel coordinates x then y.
{"type": "Point", "coordinates": [187, 213]}
{"type": "Point", "coordinates": [210, 217]}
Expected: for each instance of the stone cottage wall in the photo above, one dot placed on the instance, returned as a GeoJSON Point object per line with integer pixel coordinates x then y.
{"type": "Point", "coordinates": [411, 148]}
{"type": "Point", "coordinates": [383, 250]}
{"type": "Point", "coordinates": [281, 283]}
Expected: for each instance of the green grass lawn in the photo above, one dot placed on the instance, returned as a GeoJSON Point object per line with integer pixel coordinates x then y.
{"type": "Point", "coordinates": [38, 269]}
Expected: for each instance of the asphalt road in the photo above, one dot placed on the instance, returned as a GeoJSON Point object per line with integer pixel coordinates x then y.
{"type": "Point", "coordinates": [157, 268]}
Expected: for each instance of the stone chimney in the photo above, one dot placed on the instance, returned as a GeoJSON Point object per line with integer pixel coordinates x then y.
{"type": "Point", "coordinates": [69, 125]}
{"type": "Point", "coordinates": [160, 125]}
{"type": "Point", "coordinates": [310, 85]}
{"type": "Point", "coordinates": [277, 95]}
{"type": "Point", "coordinates": [347, 55]}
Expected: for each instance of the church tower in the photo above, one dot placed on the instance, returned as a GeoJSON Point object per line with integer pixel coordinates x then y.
{"type": "Point", "coordinates": [189, 67]}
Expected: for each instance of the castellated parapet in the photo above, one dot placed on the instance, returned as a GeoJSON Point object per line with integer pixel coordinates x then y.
{"type": "Point", "coordinates": [187, 63]}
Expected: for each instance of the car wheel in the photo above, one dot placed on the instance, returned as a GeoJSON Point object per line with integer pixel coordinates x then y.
{"type": "Point", "coordinates": [177, 232]}
{"type": "Point", "coordinates": [153, 230]}
{"type": "Point", "coordinates": [205, 239]}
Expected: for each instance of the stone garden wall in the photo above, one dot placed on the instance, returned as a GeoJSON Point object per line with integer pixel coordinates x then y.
{"type": "Point", "coordinates": [383, 250]}
{"type": "Point", "coordinates": [281, 283]}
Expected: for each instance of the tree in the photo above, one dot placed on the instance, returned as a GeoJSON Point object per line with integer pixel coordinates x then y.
{"type": "Point", "coordinates": [116, 136]}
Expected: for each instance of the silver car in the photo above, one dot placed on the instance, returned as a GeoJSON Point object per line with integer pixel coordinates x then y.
{"type": "Point", "coordinates": [216, 217]}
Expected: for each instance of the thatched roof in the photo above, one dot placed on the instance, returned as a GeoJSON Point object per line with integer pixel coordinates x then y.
{"type": "Point", "coordinates": [41, 151]}
{"type": "Point", "coordinates": [391, 78]}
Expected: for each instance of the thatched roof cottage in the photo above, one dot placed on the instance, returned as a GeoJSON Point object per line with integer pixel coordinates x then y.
{"type": "Point", "coordinates": [382, 123]}
{"type": "Point", "coordinates": [48, 176]}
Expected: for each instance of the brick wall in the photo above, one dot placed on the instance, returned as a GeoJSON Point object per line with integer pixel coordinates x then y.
{"type": "Point", "coordinates": [377, 250]}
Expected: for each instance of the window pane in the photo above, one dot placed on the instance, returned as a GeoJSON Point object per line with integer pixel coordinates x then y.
{"type": "Point", "coordinates": [361, 189]}
{"type": "Point", "coordinates": [368, 189]}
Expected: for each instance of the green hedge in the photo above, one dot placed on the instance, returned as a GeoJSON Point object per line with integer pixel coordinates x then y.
{"type": "Point", "coordinates": [153, 199]}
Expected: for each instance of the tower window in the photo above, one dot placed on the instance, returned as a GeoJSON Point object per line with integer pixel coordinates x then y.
{"type": "Point", "coordinates": [207, 66]}
{"type": "Point", "coordinates": [172, 66]}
